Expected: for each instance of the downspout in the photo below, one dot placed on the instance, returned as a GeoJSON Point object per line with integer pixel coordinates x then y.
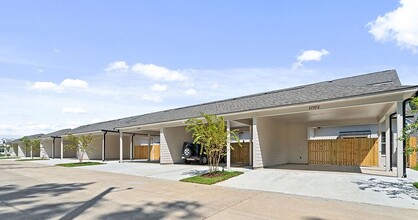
{"type": "Point", "coordinates": [104, 145]}
{"type": "Point", "coordinates": [404, 141]}
{"type": "Point", "coordinates": [53, 147]}
{"type": "Point", "coordinates": [391, 139]}
{"type": "Point", "coordinates": [132, 146]}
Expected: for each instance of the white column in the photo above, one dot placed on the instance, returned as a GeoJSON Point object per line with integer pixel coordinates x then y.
{"type": "Point", "coordinates": [149, 146]}
{"type": "Point", "coordinates": [131, 146]}
{"type": "Point", "coordinates": [379, 139]}
{"type": "Point", "coordinates": [228, 145]}
{"type": "Point", "coordinates": [400, 147]}
{"type": "Point", "coordinates": [257, 158]}
{"type": "Point", "coordinates": [251, 145]}
{"type": "Point", "coordinates": [120, 147]}
{"type": "Point", "coordinates": [387, 142]}
{"type": "Point", "coordinates": [62, 147]}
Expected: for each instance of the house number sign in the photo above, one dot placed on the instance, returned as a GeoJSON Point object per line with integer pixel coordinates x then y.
{"type": "Point", "coordinates": [313, 107]}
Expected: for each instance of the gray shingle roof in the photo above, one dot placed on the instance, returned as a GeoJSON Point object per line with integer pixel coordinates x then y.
{"type": "Point", "coordinates": [30, 137]}
{"type": "Point", "coordinates": [58, 133]}
{"type": "Point", "coordinates": [366, 84]}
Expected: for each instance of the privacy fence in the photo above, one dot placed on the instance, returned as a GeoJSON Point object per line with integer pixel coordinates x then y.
{"type": "Point", "coordinates": [355, 152]}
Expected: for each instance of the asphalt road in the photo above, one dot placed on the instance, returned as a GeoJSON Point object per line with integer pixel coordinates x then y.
{"type": "Point", "coordinates": [35, 191]}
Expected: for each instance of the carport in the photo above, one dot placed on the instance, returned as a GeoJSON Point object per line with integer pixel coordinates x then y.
{"type": "Point", "coordinates": [278, 124]}
{"type": "Point", "coordinates": [51, 145]}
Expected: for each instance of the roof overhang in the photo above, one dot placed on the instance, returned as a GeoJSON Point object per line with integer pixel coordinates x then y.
{"type": "Point", "coordinates": [388, 97]}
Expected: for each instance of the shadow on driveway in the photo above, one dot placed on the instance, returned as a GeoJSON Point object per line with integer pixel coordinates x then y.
{"type": "Point", "coordinates": [392, 189]}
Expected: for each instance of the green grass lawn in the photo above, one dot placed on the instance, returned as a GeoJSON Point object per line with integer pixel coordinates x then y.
{"type": "Point", "coordinates": [79, 164]}
{"type": "Point", "coordinates": [415, 168]}
{"type": "Point", "coordinates": [212, 178]}
{"type": "Point", "coordinates": [3, 157]}
{"type": "Point", "coordinates": [416, 184]}
{"type": "Point", "coordinates": [30, 159]}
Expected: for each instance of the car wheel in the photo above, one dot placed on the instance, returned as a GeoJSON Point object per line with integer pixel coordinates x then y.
{"type": "Point", "coordinates": [187, 161]}
{"type": "Point", "coordinates": [203, 160]}
{"type": "Point", "coordinates": [187, 152]}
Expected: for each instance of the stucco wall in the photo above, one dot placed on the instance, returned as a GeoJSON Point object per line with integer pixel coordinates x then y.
{"type": "Point", "coordinates": [95, 152]}
{"type": "Point", "coordinates": [45, 149]}
{"type": "Point", "coordinates": [296, 134]}
{"type": "Point", "coordinates": [279, 142]}
{"type": "Point", "coordinates": [171, 143]}
{"type": "Point", "coordinates": [112, 146]}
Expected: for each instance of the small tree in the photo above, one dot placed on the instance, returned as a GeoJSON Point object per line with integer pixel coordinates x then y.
{"type": "Point", "coordinates": [411, 128]}
{"type": "Point", "coordinates": [212, 135]}
{"type": "Point", "coordinates": [36, 146]}
{"type": "Point", "coordinates": [27, 144]}
{"type": "Point", "coordinates": [81, 144]}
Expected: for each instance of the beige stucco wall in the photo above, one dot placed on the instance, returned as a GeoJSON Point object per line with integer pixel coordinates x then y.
{"type": "Point", "coordinates": [297, 144]}
{"type": "Point", "coordinates": [278, 142]}
{"type": "Point", "coordinates": [112, 146]}
{"type": "Point", "coordinates": [95, 151]}
{"type": "Point", "coordinates": [171, 143]}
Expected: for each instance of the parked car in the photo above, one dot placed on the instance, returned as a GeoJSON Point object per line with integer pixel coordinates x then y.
{"type": "Point", "coordinates": [192, 152]}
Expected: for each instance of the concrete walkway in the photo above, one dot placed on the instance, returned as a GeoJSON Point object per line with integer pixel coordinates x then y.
{"type": "Point", "coordinates": [36, 191]}
{"type": "Point", "coordinates": [345, 186]}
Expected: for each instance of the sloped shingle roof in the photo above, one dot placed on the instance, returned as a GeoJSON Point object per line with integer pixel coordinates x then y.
{"type": "Point", "coordinates": [366, 84]}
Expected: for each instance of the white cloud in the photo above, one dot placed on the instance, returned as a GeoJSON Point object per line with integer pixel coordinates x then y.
{"type": "Point", "coordinates": [57, 50]}
{"type": "Point", "coordinates": [46, 86]}
{"type": "Point", "coordinates": [400, 25]}
{"type": "Point", "coordinates": [41, 70]}
{"type": "Point", "coordinates": [190, 92]}
{"type": "Point", "coordinates": [66, 83]}
{"type": "Point", "coordinates": [149, 97]}
{"type": "Point", "coordinates": [310, 55]}
{"type": "Point", "coordinates": [158, 72]}
{"type": "Point", "coordinates": [76, 110]}
{"type": "Point", "coordinates": [74, 83]}
{"type": "Point", "coordinates": [158, 87]}
{"type": "Point", "coordinates": [116, 66]}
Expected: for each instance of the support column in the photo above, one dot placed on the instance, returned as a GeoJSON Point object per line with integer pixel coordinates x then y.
{"type": "Point", "coordinates": [131, 147]}
{"type": "Point", "coordinates": [53, 148]}
{"type": "Point", "coordinates": [388, 134]}
{"type": "Point", "coordinates": [104, 146]}
{"type": "Point", "coordinates": [400, 147]}
{"type": "Point", "coordinates": [62, 147]}
{"type": "Point", "coordinates": [120, 147]}
{"type": "Point", "coordinates": [149, 146]}
{"type": "Point", "coordinates": [251, 145]}
{"type": "Point", "coordinates": [228, 145]}
{"type": "Point", "coordinates": [257, 158]}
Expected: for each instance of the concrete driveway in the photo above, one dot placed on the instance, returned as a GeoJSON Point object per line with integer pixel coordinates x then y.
{"type": "Point", "coordinates": [37, 191]}
{"type": "Point", "coordinates": [353, 187]}
{"type": "Point", "coordinates": [345, 186]}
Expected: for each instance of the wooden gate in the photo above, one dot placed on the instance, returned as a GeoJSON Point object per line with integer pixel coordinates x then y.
{"type": "Point", "coordinates": [356, 152]}
{"type": "Point", "coordinates": [412, 158]}
{"type": "Point", "coordinates": [240, 154]}
{"type": "Point", "coordinates": [141, 152]}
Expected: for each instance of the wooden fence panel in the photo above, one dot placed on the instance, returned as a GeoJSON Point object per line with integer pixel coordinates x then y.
{"type": "Point", "coordinates": [358, 152]}
{"type": "Point", "coordinates": [240, 154]}
{"type": "Point", "coordinates": [412, 158]}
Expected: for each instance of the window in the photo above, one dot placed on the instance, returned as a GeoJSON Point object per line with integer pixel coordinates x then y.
{"type": "Point", "coordinates": [383, 143]}
{"type": "Point", "coordinates": [354, 134]}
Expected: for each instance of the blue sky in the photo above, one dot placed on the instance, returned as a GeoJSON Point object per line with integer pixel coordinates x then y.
{"type": "Point", "coordinates": [67, 63]}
